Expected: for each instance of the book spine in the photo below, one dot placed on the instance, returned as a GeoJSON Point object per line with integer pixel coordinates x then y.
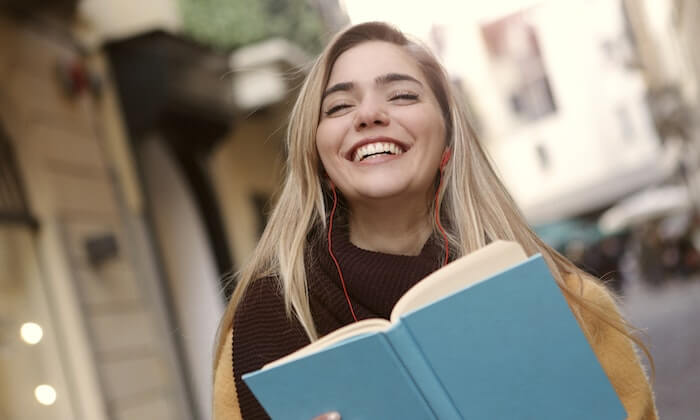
{"type": "Point", "coordinates": [422, 374]}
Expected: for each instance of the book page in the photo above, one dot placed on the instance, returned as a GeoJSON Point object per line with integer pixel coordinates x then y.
{"type": "Point", "coordinates": [356, 328]}
{"type": "Point", "coordinates": [459, 274]}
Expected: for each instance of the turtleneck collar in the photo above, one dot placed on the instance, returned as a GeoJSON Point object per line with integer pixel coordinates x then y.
{"type": "Point", "coordinates": [375, 280]}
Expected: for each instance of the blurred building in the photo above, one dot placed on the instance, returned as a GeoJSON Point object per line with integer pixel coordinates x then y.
{"type": "Point", "coordinates": [136, 165]}
{"type": "Point", "coordinates": [79, 261]}
{"type": "Point", "coordinates": [666, 34]}
{"type": "Point", "coordinates": [563, 108]}
{"type": "Point", "coordinates": [686, 15]}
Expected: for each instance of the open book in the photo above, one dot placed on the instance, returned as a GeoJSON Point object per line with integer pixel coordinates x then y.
{"type": "Point", "coordinates": [489, 336]}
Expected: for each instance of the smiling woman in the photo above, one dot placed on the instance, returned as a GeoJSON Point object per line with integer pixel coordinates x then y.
{"type": "Point", "coordinates": [378, 138]}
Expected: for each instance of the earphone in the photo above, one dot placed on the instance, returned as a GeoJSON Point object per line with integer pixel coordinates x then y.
{"type": "Point", "coordinates": [446, 155]}
{"type": "Point", "coordinates": [330, 251]}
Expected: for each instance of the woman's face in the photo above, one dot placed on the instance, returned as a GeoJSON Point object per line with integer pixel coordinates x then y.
{"type": "Point", "coordinates": [381, 133]}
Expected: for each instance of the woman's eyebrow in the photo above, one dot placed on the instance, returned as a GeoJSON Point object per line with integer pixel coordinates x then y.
{"type": "Point", "coordinates": [379, 80]}
{"type": "Point", "coordinates": [395, 77]}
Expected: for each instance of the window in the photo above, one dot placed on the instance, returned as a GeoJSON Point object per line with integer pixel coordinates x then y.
{"type": "Point", "coordinates": [517, 62]}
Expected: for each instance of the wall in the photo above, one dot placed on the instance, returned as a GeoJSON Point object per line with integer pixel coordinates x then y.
{"type": "Point", "coordinates": [109, 20]}
{"type": "Point", "coordinates": [248, 162]}
{"type": "Point", "coordinates": [24, 298]}
{"type": "Point", "coordinates": [114, 332]}
{"type": "Point", "coordinates": [193, 280]}
{"type": "Point", "coordinates": [600, 143]}
{"type": "Point", "coordinates": [686, 21]}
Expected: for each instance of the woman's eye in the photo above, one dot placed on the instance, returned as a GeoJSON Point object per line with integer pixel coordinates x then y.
{"type": "Point", "coordinates": [404, 96]}
{"type": "Point", "coordinates": [336, 108]}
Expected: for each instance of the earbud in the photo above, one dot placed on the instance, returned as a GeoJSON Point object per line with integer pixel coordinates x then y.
{"type": "Point", "coordinates": [445, 158]}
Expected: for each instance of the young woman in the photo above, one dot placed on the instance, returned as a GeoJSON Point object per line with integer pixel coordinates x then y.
{"type": "Point", "coordinates": [386, 181]}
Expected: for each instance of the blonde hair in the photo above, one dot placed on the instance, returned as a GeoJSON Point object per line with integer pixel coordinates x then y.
{"type": "Point", "coordinates": [473, 201]}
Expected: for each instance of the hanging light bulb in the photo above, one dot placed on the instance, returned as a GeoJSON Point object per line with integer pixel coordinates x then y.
{"type": "Point", "coordinates": [45, 394]}
{"type": "Point", "coordinates": [31, 332]}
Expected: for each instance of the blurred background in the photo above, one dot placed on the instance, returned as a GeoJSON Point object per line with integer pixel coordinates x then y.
{"type": "Point", "coordinates": [141, 143]}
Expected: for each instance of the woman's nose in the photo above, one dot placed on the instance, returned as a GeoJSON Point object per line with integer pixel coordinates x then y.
{"type": "Point", "coordinates": [370, 114]}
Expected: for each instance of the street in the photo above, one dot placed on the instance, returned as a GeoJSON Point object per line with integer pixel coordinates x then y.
{"type": "Point", "coordinates": [670, 315]}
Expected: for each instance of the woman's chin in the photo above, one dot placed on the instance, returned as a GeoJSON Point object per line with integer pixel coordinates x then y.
{"type": "Point", "coordinates": [378, 193]}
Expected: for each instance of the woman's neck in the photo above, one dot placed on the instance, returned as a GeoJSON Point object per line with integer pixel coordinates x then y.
{"type": "Point", "coordinates": [390, 229]}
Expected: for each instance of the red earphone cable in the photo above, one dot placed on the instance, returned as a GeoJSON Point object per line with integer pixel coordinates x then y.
{"type": "Point", "coordinates": [335, 260]}
{"type": "Point", "coordinates": [437, 218]}
{"type": "Point", "coordinates": [330, 251]}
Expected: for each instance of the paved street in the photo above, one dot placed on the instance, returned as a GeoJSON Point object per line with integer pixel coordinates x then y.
{"type": "Point", "coordinates": [671, 316]}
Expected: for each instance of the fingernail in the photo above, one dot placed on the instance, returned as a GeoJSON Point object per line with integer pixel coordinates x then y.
{"type": "Point", "coordinates": [333, 416]}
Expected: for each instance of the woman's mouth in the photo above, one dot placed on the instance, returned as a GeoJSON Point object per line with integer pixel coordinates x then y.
{"type": "Point", "coordinates": [376, 149]}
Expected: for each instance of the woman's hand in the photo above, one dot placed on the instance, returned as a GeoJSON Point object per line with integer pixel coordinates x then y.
{"type": "Point", "coordinates": [334, 415]}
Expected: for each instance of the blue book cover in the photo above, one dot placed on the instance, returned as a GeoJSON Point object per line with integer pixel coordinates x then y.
{"type": "Point", "coordinates": [505, 347]}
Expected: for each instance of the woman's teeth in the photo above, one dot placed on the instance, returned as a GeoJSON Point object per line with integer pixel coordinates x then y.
{"type": "Point", "coordinates": [375, 149]}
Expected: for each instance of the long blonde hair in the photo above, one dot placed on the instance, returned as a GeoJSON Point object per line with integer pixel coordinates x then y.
{"type": "Point", "coordinates": [473, 201]}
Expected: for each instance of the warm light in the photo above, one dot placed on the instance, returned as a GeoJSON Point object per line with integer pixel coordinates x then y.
{"type": "Point", "coordinates": [31, 332]}
{"type": "Point", "coordinates": [45, 394]}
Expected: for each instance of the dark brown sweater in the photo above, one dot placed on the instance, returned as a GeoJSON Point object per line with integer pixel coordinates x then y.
{"type": "Point", "coordinates": [375, 281]}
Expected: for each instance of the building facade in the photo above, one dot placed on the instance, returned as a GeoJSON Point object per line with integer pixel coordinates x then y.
{"type": "Point", "coordinates": [134, 180]}
{"type": "Point", "coordinates": [84, 272]}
